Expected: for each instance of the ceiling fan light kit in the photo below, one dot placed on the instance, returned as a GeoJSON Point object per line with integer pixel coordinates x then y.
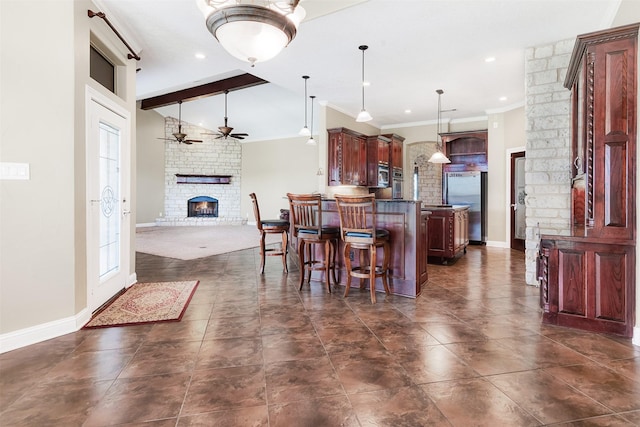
{"type": "Point", "coordinates": [364, 115]}
{"type": "Point", "coordinates": [438, 156]}
{"type": "Point", "coordinates": [252, 30]}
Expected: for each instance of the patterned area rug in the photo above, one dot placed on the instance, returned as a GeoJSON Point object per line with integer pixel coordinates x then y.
{"type": "Point", "coordinates": [146, 303]}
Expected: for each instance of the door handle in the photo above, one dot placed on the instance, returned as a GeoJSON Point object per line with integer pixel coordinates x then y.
{"type": "Point", "coordinates": [514, 206]}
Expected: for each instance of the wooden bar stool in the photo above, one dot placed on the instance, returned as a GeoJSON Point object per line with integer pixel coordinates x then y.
{"type": "Point", "coordinates": [271, 226]}
{"type": "Point", "coordinates": [357, 229]}
{"type": "Point", "coordinates": [306, 220]}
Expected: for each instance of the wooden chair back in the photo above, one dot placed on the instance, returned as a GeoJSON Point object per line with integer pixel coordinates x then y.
{"type": "Point", "coordinates": [357, 218]}
{"type": "Point", "coordinates": [305, 212]}
{"type": "Point", "coordinates": [256, 210]}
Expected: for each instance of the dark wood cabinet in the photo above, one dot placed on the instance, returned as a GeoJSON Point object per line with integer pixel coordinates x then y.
{"type": "Point", "coordinates": [423, 246]}
{"type": "Point", "coordinates": [397, 150]}
{"type": "Point", "coordinates": [378, 155]}
{"type": "Point", "coordinates": [588, 278]}
{"type": "Point", "coordinates": [448, 231]}
{"type": "Point", "coordinates": [466, 150]}
{"type": "Point", "coordinates": [347, 160]}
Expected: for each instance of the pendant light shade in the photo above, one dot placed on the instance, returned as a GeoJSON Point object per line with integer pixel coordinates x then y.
{"type": "Point", "coordinates": [252, 30]}
{"type": "Point", "coordinates": [438, 156]}
{"type": "Point", "coordinates": [364, 115]}
{"type": "Point", "coordinates": [311, 141]}
{"type": "Point", "coordinates": [305, 130]}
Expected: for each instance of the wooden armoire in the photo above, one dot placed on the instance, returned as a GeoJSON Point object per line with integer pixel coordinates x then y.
{"type": "Point", "coordinates": [587, 279]}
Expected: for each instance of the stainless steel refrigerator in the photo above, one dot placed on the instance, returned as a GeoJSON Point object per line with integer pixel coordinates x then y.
{"type": "Point", "coordinates": [469, 188]}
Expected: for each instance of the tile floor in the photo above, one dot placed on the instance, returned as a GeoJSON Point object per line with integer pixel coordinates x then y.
{"type": "Point", "coordinates": [253, 351]}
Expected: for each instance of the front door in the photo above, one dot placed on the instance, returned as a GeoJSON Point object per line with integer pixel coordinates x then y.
{"type": "Point", "coordinates": [518, 221]}
{"type": "Point", "coordinates": [108, 219]}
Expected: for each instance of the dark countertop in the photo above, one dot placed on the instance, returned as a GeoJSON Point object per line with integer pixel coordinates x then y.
{"type": "Point", "coordinates": [444, 207]}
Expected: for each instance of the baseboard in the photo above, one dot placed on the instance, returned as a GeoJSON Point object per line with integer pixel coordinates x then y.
{"type": "Point", "coordinates": [146, 224]}
{"type": "Point", "coordinates": [131, 280]}
{"type": "Point", "coordinates": [498, 244]}
{"type": "Point", "coordinates": [46, 331]}
{"type": "Point", "coordinates": [636, 336]}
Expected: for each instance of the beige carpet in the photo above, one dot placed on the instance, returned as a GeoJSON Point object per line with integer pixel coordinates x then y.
{"type": "Point", "coordinates": [193, 242]}
{"type": "Point", "coordinates": [146, 303]}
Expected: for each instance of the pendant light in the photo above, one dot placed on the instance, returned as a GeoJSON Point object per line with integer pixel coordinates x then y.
{"type": "Point", "coordinates": [311, 141]}
{"type": "Point", "coordinates": [305, 130]}
{"type": "Point", "coordinates": [438, 156]}
{"type": "Point", "coordinates": [363, 116]}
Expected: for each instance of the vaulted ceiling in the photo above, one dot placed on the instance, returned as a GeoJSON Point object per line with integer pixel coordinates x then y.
{"type": "Point", "coordinates": [415, 47]}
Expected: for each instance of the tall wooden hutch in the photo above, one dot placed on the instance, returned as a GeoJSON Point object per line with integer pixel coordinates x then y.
{"type": "Point", "coordinates": [588, 278]}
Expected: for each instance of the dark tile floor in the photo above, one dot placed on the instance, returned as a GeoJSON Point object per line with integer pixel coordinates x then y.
{"type": "Point", "coordinates": [253, 351]}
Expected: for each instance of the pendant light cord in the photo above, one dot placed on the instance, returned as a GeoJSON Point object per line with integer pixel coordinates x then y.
{"type": "Point", "coordinates": [312, 97]}
{"type": "Point", "coordinates": [363, 48]}
{"type": "Point", "coordinates": [305, 99]}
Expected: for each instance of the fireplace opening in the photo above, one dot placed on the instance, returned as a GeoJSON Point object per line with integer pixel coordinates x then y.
{"type": "Point", "coordinates": [202, 206]}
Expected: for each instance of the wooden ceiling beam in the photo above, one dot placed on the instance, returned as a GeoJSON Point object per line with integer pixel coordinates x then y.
{"type": "Point", "coordinates": [241, 81]}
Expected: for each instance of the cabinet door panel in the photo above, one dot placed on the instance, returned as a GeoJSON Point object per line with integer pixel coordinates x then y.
{"type": "Point", "coordinates": [615, 185]}
{"type": "Point", "coordinates": [571, 282]}
{"type": "Point", "coordinates": [438, 235]}
{"type": "Point", "coordinates": [610, 281]}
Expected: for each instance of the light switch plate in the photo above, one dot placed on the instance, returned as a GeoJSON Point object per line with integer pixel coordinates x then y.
{"type": "Point", "coordinates": [14, 170]}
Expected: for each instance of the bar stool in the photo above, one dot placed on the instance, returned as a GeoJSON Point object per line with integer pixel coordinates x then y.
{"type": "Point", "coordinates": [271, 226]}
{"type": "Point", "coordinates": [357, 229]}
{"type": "Point", "coordinates": [306, 220]}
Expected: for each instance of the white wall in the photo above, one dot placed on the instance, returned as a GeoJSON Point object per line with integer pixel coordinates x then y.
{"type": "Point", "coordinates": [150, 166]}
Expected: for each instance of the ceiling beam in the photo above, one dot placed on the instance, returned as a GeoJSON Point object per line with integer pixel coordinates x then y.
{"type": "Point", "coordinates": [241, 81]}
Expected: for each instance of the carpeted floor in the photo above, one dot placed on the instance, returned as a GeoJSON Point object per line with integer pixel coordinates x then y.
{"type": "Point", "coordinates": [191, 242]}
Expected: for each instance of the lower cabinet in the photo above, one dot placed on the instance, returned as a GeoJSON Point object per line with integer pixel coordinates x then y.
{"type": "Point", "coordinates": [448, 231]}
{"type": "Point", "coordinates": [587, 284]}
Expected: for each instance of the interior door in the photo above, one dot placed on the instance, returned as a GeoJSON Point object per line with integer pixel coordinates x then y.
{"type": "Point", "coordinates": [108, 215]}
{"type": "Point", "coordinates": [518, 223]}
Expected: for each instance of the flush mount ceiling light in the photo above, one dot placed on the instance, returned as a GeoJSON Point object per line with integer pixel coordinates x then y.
{"type": "Point", "coordinates": [438, 156]}
{"type": "Point", "coordinates": [252, 30]}
{"type": "Point", "coordinates": [311, 141]}
{"type": "Point", "coordinates": [363, 116]}
{"type": "Point", "coordinates": [305, 130]}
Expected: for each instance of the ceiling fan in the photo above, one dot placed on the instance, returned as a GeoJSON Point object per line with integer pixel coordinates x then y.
{"type": "Point", "coordinates": [180, 136]}
{"type": "Point", "coordinates": [225, 131]}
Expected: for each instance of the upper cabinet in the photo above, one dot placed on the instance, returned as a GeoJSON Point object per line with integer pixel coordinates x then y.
{"type": "Point", "coordinates": [466, 150]}
{"type": "Point", "coordinates": [347, 160]}
{"type": "Point", "coordinates": [378, 157]}
{"type": "Point", "coordinates": [397, 144]}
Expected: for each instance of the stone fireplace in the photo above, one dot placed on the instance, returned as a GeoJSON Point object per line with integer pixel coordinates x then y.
{"type": "Point", "coordinates": [199, 172]}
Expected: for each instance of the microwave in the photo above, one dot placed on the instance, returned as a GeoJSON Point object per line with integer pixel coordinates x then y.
{"type": "Point", "coordinates": [383, 175]}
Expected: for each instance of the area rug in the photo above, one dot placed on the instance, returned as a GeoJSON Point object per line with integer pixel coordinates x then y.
{"type": "Point", "coordinates": [192, 242]}
{"type": "Point", "coordinates": [146, 303]}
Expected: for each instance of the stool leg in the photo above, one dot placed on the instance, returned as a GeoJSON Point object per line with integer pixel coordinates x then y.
{"type": "Point", "coordinates": [284, 250]}
{"type": "Point", "coordinates": [334, 249]}
{"type": "Point", "coordinates": [372, 273]}
{"type": "Point", "coordinates": [301, 260]}
{"type": "Point", "coordinates": [347, 263]}
{"type": "Point", "coordinates": [262, 251]}
{"type": "Point", "coordinates": [309, 260]}
{"type": "Point", "coordinates": [327, 263]}
{"type": "Point", "coordinates": [363, 267]}
{"type": "Point", "coordinates": [385, 267]}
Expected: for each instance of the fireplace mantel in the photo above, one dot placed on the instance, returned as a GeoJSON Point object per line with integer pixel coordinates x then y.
{"type": "Point", "coordinates": [202, 179]}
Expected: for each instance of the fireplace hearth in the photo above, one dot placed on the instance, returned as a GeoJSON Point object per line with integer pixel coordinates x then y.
{"type": "Point", "coordinates": [202, 206]}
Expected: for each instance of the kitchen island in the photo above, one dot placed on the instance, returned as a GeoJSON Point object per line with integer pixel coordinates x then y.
{"type": "Point", "coordinates": [448, 231]}
{"type": "Point", "coordinates": [407, 225]}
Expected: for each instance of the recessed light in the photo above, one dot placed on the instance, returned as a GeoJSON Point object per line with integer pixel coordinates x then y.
{"type": "Point", "coordinates": [407, 111]}
{"type": "Point", "coordinates": [503, 98]}
{"type": "Point", "coordinates": [200, 55]}
{"type": "Point", "coordinates": [490, 59]}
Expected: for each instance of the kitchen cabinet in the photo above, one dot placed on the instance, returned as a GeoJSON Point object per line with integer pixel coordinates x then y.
{"type": "Point", "coordinates": [347, 157]}
{"type": "Point", "coordinates": [587, 279]}
{"type": "Point", "coordinates": [397, 150]}
{"type": "Point", "coordinates": [466, 150]}
{"type": "Point", "coordinates": [378, 156]}
{"type": "Point", "coordinates": [423, 246]}
{"type": "Point", "coordinates": [448, 231]}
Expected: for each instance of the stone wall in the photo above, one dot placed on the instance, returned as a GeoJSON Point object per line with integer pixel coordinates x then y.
{"type": "Point", "coordinates": [211, 157]}
{"type": "Point", "coordinates": [429, 174]}
{"type": "Point", "coordinates": [548, 148]}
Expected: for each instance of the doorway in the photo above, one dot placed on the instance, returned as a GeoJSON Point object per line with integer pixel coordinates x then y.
{"type": "Point", "coordinates": [108, 193]}
{"type": "Point", "coordinates": [517, 204]}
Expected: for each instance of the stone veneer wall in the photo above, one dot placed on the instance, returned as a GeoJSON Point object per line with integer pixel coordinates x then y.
{"type": "Point", "coordinates": [548, 148]}
{"type": "Point", "coordinates": [429, 174]}
{"type": "Point", "coordinates": [211, 157]}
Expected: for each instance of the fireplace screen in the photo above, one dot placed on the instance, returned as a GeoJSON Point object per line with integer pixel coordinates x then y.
{"type": "Point", "coordinates": [202, 206]}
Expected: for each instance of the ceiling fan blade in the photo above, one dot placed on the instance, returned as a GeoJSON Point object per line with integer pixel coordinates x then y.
{"type": "Point", "coordinates": [240, 134]}
{"type": "Point", "coordinates": [190, 141]}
